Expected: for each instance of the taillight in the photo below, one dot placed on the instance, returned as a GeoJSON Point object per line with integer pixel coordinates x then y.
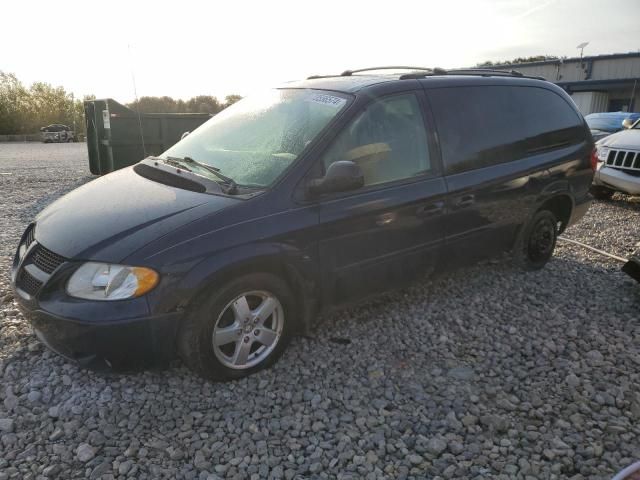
{"type": "Point", "coordinates": [594, 159]}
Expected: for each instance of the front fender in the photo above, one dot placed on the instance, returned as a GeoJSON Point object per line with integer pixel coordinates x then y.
{"type": "Point", "coordinates": [297, 267]}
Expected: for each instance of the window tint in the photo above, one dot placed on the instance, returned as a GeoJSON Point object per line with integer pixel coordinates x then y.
{"type": "Point", "coordinates": [484, 126]}
{"type": "Point", "coordinates": [548, 121]}
{"type": "Point", "coordinates": [388, 140]}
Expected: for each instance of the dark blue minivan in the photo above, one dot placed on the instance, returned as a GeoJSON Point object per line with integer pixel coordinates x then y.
{"type": "Point", "coordinates": [312, 195]}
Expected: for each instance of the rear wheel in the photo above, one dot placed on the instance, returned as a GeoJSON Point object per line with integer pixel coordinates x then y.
{"type": "Point", "coordinates": [537, 241]}
{"type": "Point", "coordinates": [601, 193]}
{"type": "Point", "coordinates": [241, 328]}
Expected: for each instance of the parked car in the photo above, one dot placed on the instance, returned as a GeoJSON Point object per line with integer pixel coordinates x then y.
{"type": "Point", "coordinates": [57, 133]}
{"type": "Point", "coordinates": [605, 123]}
{"type": "Point", "coordinates": [618, 163]}
{"type": "Point", "coordinates": [310, 196]}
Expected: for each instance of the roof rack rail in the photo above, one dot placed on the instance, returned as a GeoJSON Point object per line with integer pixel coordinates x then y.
{"type": "Point", "coordinates": [489, 72]}
{"type": "Point", "coordinates": [348, 73]}
{"type": "Point", "coordinates": [485, 72]}
{"type": "Point", "coordinates": [421, 72]}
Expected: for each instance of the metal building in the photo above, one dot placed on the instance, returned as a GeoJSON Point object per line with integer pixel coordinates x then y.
{"type": "Point", "coordinates": [601, 83]}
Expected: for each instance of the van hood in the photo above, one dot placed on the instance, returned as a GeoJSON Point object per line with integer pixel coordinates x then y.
{"type": "Point", "coordinates": [115, 215]}
{"type": "Point", "coordinates": [629, 138]}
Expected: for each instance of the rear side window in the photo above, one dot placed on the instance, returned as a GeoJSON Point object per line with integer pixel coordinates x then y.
{"type": "Point", "coordinates": [488, 125]}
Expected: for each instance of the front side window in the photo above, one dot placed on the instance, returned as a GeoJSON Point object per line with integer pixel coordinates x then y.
{"type": "Point", "coordinates": [257, 138]}
{"type": "Point", "coordinates": [387, 140]}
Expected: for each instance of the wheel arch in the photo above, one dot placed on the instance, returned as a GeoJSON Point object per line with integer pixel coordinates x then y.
{"type": "Point", "coordinates": [561, 205]}
{"type": "Point", "coordinates": [294, 267]}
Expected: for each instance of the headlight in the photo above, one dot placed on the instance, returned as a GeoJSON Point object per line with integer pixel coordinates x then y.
{"type": "Point", "coordinates": [102, 281]}
{"type": "Point", "coordinates": [603, 153]}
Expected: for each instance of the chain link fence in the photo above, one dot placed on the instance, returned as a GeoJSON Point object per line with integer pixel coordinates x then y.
{"type": "Point", "coordinates": [33, 137]}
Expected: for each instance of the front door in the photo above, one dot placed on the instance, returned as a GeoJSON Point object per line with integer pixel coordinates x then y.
{"type": "Point", "coordinates": [391, 230]}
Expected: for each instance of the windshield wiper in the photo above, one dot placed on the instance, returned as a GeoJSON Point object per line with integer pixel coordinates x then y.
{"type": "Point", "coordinates": [174, 162]}
{"type": "Point", "coordinates": [232, 187]}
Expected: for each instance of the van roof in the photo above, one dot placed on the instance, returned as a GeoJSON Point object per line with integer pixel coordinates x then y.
{"type": "Point", "coordinates": [351, 81]}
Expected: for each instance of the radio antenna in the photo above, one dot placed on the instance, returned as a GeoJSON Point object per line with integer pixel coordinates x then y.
{"type": "Point", "coordinates": [135, 94]}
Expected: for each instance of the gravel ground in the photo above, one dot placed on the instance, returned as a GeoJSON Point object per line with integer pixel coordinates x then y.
{"type": "Point", "coordinates": [487, 372]}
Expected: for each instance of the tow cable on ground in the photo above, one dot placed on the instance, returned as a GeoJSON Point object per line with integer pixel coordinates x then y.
{"type": "Point", "coordinates": [593, 249]}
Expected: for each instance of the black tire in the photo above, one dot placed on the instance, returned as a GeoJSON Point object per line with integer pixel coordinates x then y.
{"type": "Point", "coordinates": [195, 340]}
{"type": "Point", "coordinates": [601, 193]}
{"type": "Point", "coordinates": [536, 241]}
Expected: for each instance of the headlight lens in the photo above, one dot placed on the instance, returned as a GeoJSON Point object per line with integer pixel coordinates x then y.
{"type": "Point", "coordinates": [603, 153]}
{"type": "Point", "coordinates": [103, 281]}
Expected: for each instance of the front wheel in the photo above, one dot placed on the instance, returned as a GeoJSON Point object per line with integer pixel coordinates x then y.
{"type": "Point", "coordinates": [241, 328]}
{"type": "Point", "coordinates": [537, 241]}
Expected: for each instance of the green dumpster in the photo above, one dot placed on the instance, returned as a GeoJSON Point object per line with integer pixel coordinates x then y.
{"type": "Point", "coordinates": [118, 136]}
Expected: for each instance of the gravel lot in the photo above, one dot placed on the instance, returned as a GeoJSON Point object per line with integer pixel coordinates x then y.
{"type": "Point", "coordinates": [487, 372]}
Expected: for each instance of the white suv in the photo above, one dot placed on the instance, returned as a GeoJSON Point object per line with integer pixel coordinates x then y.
{"type": "Point", "coordinates": [618, 163]}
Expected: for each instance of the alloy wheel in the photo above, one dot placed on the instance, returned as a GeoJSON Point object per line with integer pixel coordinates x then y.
{"type": "Point", "coordinates": [248, 329]}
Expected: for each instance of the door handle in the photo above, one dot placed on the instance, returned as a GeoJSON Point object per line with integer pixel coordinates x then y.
{"type": "Point", "coordinates": [465, 201]}
{"type": "Point", "coordinates": [385, 219]}
{"type": "Point", "coordinates": [430, 209]}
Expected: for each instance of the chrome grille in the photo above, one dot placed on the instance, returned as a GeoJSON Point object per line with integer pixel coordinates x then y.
{"type": "Point", "coordinates": [623, 159]}
{"type": "Point", "coordinates": [28, 282]}
{"type": "Point", "coordinates": [46, 260]}
{"type": "Point", "coordinates": [31, 236]}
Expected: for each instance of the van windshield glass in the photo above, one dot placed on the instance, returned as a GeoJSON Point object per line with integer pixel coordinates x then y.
{"type": "Point", "coordinates": [257, 138]}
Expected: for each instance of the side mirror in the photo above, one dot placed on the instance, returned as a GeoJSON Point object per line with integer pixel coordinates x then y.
{"type": "Point", "coordinates": [184, 135]}
{"type": "Point", "coordinates": [341, 176]}
{"type": "Point", "coordinates": [627, 123]}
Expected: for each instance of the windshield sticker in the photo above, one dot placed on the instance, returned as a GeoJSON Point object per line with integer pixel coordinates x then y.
{"type": "Point", "coordinates": [329, 100]}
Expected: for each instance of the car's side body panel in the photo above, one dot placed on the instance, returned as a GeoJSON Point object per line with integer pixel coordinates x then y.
{"type": "Point", "coordinates": [370, 241]}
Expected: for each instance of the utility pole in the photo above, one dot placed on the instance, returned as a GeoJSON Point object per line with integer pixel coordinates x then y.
{"type": "Point", "coordinates": [73, 114]}
{"type": "Point", "coordinates": [581, 47]}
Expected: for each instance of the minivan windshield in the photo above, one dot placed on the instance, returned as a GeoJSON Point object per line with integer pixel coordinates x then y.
{"type": "Point", "coordinates": [257, 138]}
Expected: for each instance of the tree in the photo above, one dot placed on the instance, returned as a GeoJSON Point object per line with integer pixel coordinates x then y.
{"type": "Point", "coordinates": [203, 104]}
{"type": "Point", "coordinates": [13, 104]}
{"type": "Point", "coordinates": [25, 110]}
{"type": "Point", "coordinates": [155, 105]}
{"type": "Point", "coordinates": [231, 99]}
{"type": "Point", "coordinates": [535, 58]}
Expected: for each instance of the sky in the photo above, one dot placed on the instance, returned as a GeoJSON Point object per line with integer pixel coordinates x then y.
{"type": "Point", "coordinates": [189, 48]}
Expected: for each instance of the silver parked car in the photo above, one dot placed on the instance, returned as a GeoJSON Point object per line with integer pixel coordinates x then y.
{"type": "Point", "coordinates": [618, 163]}
{"type": "Point", "coordinates": [57, 133]}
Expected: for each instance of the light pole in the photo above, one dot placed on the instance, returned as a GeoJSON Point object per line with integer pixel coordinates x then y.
{"type": "Point", "coordinates": [581, 47]}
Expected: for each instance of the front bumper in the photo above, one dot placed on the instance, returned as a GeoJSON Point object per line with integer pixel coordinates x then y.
{"type": "Point", "coordinates": [124, 345]}
{"type": "Point", "coordinates": [617, 179]}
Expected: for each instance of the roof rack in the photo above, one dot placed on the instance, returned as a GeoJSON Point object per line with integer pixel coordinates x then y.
{"type": "Point", "coordinates": [484, 72]}
{"type": "Point", "coordinates": [348, 73]}
{"type": "Point", "coordinates": [421, 72]}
